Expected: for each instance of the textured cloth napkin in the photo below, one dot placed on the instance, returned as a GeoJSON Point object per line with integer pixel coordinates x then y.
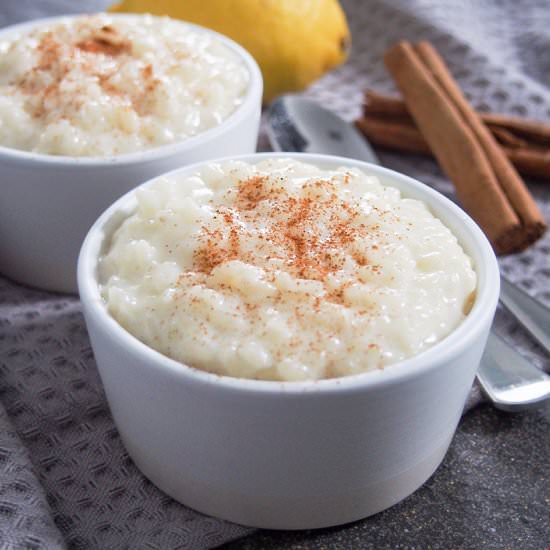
{"type": "Point", "coordinates": [65, 478]}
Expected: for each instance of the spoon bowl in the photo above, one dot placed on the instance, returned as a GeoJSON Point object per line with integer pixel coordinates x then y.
{"type": "Point", "coordinates": [299, 125]}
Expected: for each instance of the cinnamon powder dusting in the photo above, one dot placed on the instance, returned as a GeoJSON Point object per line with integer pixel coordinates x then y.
{"type": "Point", "coordinates": [48, 81]}
{"type": "Point", "coordinates": [106, 41]}
{"type": "Point", "coordinates": [308, 234]}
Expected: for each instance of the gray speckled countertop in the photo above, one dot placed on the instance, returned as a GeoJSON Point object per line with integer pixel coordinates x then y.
{"type": "Point", "coordinates": [492, 492]}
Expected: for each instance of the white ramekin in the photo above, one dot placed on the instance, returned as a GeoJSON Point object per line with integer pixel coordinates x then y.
{"type": "Point", "coordinates": [290, 455]}
{"type": "Point", "coordinates": [49, 202]}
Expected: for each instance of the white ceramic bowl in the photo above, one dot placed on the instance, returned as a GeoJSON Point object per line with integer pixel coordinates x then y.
{"type": "Point", "coordinates": [49, 202]}
{"type": "Point", "coordinates": [290, 455]}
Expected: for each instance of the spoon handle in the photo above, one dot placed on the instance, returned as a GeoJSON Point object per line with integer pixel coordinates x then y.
{"type": "Point", "coordinates": [533, 315]}
{"type": "Point", "coordinates": [511, 381]}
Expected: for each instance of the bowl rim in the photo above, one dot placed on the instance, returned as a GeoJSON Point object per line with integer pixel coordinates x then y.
{"type": "Point", "coordinates": [457, 342]}
{"type": "Point", "coordinates": [251, 100]}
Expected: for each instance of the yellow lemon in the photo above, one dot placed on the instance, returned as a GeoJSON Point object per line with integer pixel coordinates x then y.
{"type": "Point", "coordinates": [293, 41]}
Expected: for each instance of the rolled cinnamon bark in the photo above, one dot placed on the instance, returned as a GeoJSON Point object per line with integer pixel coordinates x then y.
{"type": "Point", "coordinates": [505, 137]}
{"type": "Point", "coordinates": [378, 104]}
{"type": "Point", "coordinates": [402, 134]}
{"type": "Point", "coordinates": [526, 131]}
{"type": "Point", "coordinates": [395, 134]}
{"type": "Point", "coordinates": [486, 183]}
{"type": "Point", "coordinates": [532, 162]}
{"type": "Point", "coordinates": [530, 130]}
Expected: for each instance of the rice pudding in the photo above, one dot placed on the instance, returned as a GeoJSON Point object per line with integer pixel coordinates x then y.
{"type": "Point", "coordinates": [106, 85]}
{"type": "Point", "coordinates": [283, 271]}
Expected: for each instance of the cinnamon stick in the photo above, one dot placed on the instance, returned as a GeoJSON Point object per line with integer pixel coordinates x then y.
{"type": "Point", "coordinates": [532, 162]}
{"type": "Point", "coordinates": [486, 183]}
{"type": "Point", "coordinates": [383, 105]}
{"type": "Point", "coordinates": [505, 137]}
{"type": "Point", "coordinates": [395, 134]}
{"type": "Point", "coordinates": [530, 131]}
{"type": "Point", "coordinates": [402, 134]}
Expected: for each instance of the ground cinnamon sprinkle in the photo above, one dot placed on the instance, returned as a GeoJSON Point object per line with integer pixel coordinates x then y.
{"type": "Point", "coordinates": [211, 253]}
{"type": "Point", "coordinates": [308, 232]}
{"type": "Point", "coordinates": [251, 192]}
{"type": "Point", "coordinates": [147, 71]}
{"type": "Point", "coordinates": [106, 41]}
{"type": "Point", "coordinates": [48, 50]}
{"type": "Point", "coordinates": [46, 82]}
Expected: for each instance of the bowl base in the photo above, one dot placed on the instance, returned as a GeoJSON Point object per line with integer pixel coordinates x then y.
{"type": "Point", "coordinates": [291, 513]}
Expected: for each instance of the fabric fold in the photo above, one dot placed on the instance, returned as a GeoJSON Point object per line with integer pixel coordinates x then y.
{"type": "Point", "coordinates": [26, 520]}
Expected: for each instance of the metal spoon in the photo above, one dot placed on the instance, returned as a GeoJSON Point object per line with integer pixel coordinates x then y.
{"type": "Point", "coordinates": [508, 379]}
{"type": "Point", "coordinates": [533, 315]}
{"type": "Point", "coordinates": [300, 125]}
{"type": "Point", "coordinates": [296, 124]}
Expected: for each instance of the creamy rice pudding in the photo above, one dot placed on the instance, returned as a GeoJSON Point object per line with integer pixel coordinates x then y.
{"type": "Point", "coordinates": [284, 271]}
{"type": "Point", "coordinates": [106, 85]}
